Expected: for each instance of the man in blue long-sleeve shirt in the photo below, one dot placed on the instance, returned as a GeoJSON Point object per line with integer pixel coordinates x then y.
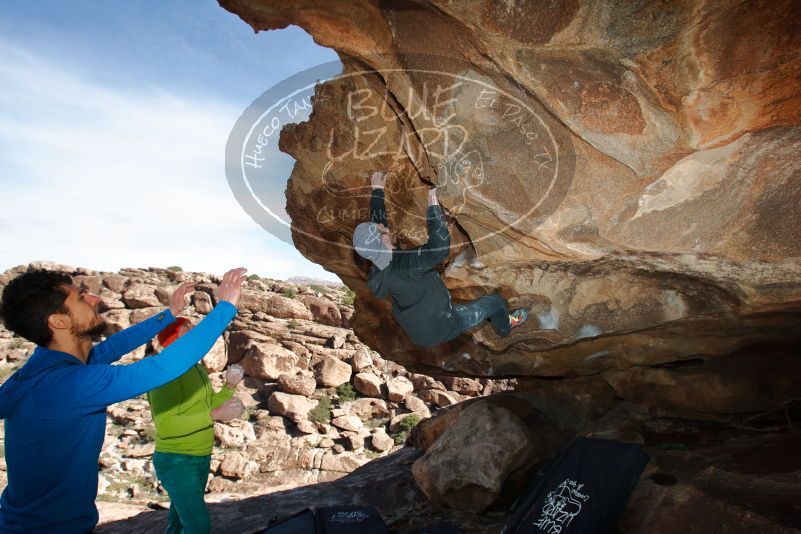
{"type": "Point", "coordinates": [420, 301]}
{"type": "Point", "coordinates": [55, 405]}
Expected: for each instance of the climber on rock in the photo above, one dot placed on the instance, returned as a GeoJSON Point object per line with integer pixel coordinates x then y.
{"type": "Point", "coordinates": [420, 301]}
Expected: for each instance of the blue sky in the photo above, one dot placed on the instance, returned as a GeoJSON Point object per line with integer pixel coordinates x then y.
{"type": "Point", "coordinates": [113, 122]}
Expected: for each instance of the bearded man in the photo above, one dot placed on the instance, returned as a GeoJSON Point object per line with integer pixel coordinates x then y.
{"type": "Point", "coordinates": [55, 405]}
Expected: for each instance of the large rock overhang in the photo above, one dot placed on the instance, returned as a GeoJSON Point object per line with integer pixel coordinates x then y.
{"type": "Point", "coordinates": [634, 174]}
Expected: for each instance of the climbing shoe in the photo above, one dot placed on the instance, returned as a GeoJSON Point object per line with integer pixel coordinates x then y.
{"type": "Point", "coordinates": [518, 317]}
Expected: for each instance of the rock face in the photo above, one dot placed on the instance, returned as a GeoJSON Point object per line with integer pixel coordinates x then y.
{"type": "Point", "coordinates": [628, 171]}
{"type": "Point", "coordinates": [453, 474]}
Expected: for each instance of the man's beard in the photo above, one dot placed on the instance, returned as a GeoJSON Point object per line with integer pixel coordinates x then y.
{"type": "Point", "coordinates": [91, 332]}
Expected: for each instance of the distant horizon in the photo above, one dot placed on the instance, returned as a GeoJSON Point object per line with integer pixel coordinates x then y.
{"type": "Point", "coordinates": [113, 126]}
{"type": "Point", "coordinates": [167, 267]}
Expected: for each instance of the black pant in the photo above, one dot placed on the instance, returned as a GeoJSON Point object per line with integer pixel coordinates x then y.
{"type": "Point", "coordinates": [471, 314]}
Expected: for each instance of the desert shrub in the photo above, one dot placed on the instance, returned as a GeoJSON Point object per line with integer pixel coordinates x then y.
{"type": "Point", "coordinates": [348, 297]}
{"type": "Point", "coordinates": [293, 324]}
{"type": "Point", "coordinates": [253, 277]}
{"type": "Point", "coordinates": [322, 412]}
{"type": "Point", "coordinates": [408, 423]}
{"type": "Point", "coordinates": [346, 393]}
{"type": "Point", "coordinates": [404, 427]}
{"type": "Point", "coordinates": [289, 293]}
{"type": "Point", "coordinates": [175, 268]}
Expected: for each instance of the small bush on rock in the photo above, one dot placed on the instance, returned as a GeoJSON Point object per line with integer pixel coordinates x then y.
{"type": "Point", "coordinates": [346, 393]}
{"type": "Point", "coordinates": [348, 297]}
{"type": "Point", "coordinates": [289, 293]}
{"type": "Point", "coordinates": [175, 268]}
{"type": "Point", "coordinates": [322, 412]}
{"type": "Point", "coordinates": [404, 427]}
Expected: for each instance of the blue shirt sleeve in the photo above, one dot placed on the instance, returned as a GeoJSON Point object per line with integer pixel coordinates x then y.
{"type": "Point", "coordinates": [85, 389]}
{"type": "Point", "coordinates": [124, 341]}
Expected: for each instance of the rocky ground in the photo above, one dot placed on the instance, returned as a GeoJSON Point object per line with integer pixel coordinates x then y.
{"type": "Point", "coordinates": [319, 403]}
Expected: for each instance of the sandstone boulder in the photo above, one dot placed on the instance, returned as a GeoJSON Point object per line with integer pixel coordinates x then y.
{"type": "Point", "coordinates": [416, 405]}
{"type": "Point", "coordinates": [92, 283]}
{"type": "Point", "coordinates": [369, 408]}
{"type": "Point", "coordinates": [234, 434]}
{"type": "Point", "coordinates": [422, 382]}
{"type": "Point", "coordinates": [140, 314]}
{"type": "Point", "coordinates": [464, 386]}
{"type": "Point", "coordinates": [217, 357]}
{"type": "Point", "coordinates": [115, 282]}
{"type": "Point", "coordinates": [294, 407]}
{"type": "Point", "coordinates": [331, 372]}
{"type": "Point", "coordinates": [466, 467]}
{"type": "Point", "coordinates": [347, 316]}
{"type": "Point", "coordinates": [140, 296]}
{"type": "Point", "coordinates": [336, 341]}
{"type": "Point", "coordinates": [238, 466]}
{"type": "Point", "coordinates": [241, 341]}
{"type": "Point", "coordinates": [269, 360]}
{"type": "Point", "coordinates": [297, 384]}
{"type": "Point", "coordinates": [368, 384]}
{"type": "Point", "coordinates": [274, 305]}
{"type": "Point", "coordinates": [307, 427]}
{"type": "Point", "coordinates": [361, 360]}
{"type": "Point", "coordinates": [116, 320]}
{"type": "Point", "coordinates": [353, 440]}
{"type": "Point", "coordinates": [110, 301]}
{"type": "Point", "coordinates": [322, 309]}
{"type": "Point", "coordinates": [381, 442]}
{"type": "Point", "coordinates": [348, 422]}
{"type": "Point", "coordinates": [342, 463]}
{"type": "Point", "coordinates": [202, 302]}
{"type": "Point", "coordinates": [438, 397]}
{"type": "Point", "coordinates": [398, 388]}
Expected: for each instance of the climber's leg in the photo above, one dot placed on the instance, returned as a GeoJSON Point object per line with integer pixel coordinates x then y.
{"type": "Point", "coordinates": [471, 314]}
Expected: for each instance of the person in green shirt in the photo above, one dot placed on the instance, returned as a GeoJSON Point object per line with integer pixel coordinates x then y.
{"type": "Point", "coordinates": [184, 412]}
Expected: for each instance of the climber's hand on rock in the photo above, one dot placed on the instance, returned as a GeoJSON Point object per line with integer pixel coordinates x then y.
{"type": "Point", "coordinates": [378, 180]}
{"type": "Point", "coordinates": [432, 197]}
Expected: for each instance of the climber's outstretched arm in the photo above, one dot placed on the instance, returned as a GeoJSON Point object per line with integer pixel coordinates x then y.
{"type": "Point", "coordinates": [436, 250]}
{"type": "Point", "coordinates": [378, 212]}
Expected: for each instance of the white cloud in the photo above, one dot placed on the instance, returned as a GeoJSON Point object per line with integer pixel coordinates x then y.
{"type": "Point", "coordinates": [107, 178]}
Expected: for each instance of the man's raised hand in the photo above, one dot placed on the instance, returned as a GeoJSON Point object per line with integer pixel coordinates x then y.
{"type": "Point", "coordinates": [378, 180]}
{"type": "Point", "coordinates": [178, 299]}
{"type": "Point", "coordinates": [231, 285]}
{"type": "Point", "coordinates": [234, 375]}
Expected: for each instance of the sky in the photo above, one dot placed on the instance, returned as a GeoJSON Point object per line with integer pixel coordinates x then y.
{"type": "Point", "coordinates": [113, 122]}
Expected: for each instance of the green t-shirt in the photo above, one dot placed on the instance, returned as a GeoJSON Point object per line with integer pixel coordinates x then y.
{"type": "Point", "coordinates": [182, 413]}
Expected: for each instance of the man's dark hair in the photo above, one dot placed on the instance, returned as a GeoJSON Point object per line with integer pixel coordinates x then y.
{"type": "Point", "coordinates": [29, 299]}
